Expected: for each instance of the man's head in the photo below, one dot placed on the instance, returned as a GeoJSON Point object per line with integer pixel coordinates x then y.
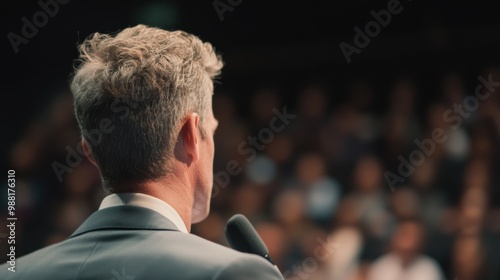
{"type": "Point", "coordinates": [143, 100]}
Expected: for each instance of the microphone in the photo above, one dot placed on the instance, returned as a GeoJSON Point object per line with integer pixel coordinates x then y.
{"type": "Point", "coordinates": [243, 237]}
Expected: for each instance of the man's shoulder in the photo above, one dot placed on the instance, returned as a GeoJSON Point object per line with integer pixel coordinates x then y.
{"type": "Point", "coordinates": [192, 247]}
{"type": "Point", "coordinates": [232, 264]}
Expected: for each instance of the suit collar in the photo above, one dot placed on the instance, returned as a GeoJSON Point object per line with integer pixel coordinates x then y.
{"type": "Point", "coordinates": [125, 217]}
{"type": "Point", "coordinates": [146, 201]}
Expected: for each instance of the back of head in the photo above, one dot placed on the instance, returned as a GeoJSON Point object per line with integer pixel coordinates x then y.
{"type": "Point", "coordinates": [131, 93]}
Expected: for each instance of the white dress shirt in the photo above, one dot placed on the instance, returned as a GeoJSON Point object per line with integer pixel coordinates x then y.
{"type": "Point", "coordinates": [146, 201]}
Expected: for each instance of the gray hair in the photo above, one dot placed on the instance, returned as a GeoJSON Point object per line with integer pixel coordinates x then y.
{"type": "Point", "coordinates": [141, 83]}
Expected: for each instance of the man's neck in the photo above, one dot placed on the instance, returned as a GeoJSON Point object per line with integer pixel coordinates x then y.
{"type": "Point", "coordinates": [170, 190]}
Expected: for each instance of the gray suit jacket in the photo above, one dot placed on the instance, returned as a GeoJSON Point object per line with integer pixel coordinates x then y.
{"type": "Point", "coordinates": [133, 243]}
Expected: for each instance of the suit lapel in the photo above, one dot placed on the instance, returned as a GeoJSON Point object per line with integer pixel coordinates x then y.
{"type": "Point", "coordinates": [125, 217]}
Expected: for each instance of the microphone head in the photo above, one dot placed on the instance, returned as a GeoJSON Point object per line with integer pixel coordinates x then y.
{"type": "Point", "coordinates": [243, 237]}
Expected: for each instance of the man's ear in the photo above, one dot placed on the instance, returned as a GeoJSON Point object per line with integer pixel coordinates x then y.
{"type": "Point", "coordinates": [190, 137]}
{"type": "Point", "coordinates": [88, 152]}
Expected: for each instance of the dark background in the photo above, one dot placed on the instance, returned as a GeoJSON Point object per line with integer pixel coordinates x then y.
{"type": "Point", "coordinates": [262, 42]}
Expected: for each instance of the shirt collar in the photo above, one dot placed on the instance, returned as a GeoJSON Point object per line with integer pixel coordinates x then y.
{"type": "Point", "coordinates": [146, 201]}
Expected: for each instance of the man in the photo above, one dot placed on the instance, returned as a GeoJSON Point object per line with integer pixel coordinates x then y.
{"type": "Point", "coordinates": [405, 262]}
{"type": "Point", "coordinates": [143, 102]}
